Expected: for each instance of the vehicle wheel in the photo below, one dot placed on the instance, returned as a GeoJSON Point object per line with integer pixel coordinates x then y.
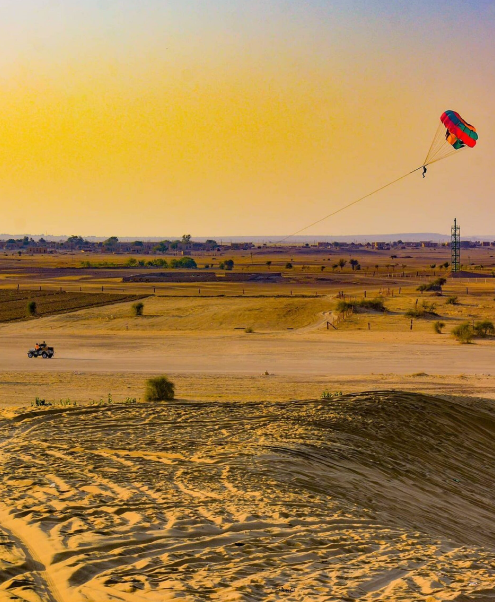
{"type": "Point", "coordinates": [44, 355]}
{"type": "Point", "coordinates": [30, 354]}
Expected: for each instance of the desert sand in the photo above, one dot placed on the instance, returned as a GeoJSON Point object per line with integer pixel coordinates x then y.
{"type": "Point", "coordinates": [249, 486]}
{"type": "Point", "coordinates": [382, 496]}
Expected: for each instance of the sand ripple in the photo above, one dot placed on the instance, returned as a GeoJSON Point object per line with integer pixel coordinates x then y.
{"type": "Point", "coordinates": [378, 496]}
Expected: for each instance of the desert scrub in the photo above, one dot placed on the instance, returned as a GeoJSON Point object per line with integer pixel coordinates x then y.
{"type": "Point", "coordinates": [484, 328]}
{"type": "Point", "coordinates": [66, 402]}
{"type": "Point", "coordinates": [330, 395]}
{"type": "Point", "coordinates": [137, 309]}
{"type": "Point", "coordinates": [464, 333]}
{"type": "Point", "coordinates": [438, 326]}
{"type": "Point", "coordinates": [453, 300]}
{"type": "Point", "coordinates": [31, 308]}
{"type": "Point", "coordinates": [40, 402]}
{"type": "Point", "coordinates": [425, 310]}
{"type": "Point", "coordinates": [159, 388]}
{"type": "Point", "coordinates": [362, 305]}
{"type": "Point", "coordinates": [435, 285]}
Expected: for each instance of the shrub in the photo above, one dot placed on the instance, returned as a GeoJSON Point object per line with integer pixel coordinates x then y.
{"type": "Point", "coordinates": [329, 395]}
{"type": "Point", "coordinates": [67, 402]}
{"type": "Point", "coordinates": [343, 306]}
{"type": "Point", "coordinates": [159, 388]}
{"type": "Point", "coordinates": [249, 330]}
{"type": "Point", "coordinates": [40, 402]}
{"type": "Point", "coordinates": [438, 326]}
{"type": "Point", "coordinates": [464, 333]}
{"type": "Point", "coordinates": [373, 304]}
{"type": "Point", "coordinates": [288, 266]}
{"type": "Point", "coordinates": [31, 308]}
{"type": "Point", "coordinates": [183, 262]}
{"type": "Point", "coordinates": [425, 310]}
{"type": "Point", "coordinates": [435, 285]}
{"type": "Point", "coordinates": [454, 300]}
{"type": "Point", "coordinates": [484, 328]}
{"type": "Point", "coordinates": [137, 309]}
{"type": "Point", "coordinates": [363, 305]}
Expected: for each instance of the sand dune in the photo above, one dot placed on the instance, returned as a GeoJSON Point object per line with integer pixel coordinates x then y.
{"type": "Point", "coordinates": [378, 496]}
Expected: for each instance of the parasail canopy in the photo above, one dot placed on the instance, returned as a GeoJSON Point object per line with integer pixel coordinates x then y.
{"type": "Point", "coordinates": [453, 134]}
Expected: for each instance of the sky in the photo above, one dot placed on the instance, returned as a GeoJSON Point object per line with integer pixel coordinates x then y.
{"type": "Point", "coordinates": [242, 117]}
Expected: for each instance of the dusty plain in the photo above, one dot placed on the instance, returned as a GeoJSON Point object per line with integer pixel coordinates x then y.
{"type": "Point", "coordinates": [249, 486]}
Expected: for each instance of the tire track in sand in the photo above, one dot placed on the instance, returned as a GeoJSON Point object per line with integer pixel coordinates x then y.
{"type": "Point", "coordinates": [44, 583]}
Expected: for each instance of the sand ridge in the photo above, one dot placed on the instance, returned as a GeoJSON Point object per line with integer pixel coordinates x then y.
{"type": "Point", "coordinates": [377, 496]}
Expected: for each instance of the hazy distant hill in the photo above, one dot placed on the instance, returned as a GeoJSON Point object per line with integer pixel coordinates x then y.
{"type": "Point", "coordinates": [359, 238]}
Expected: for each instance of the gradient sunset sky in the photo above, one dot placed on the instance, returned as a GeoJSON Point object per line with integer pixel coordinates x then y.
{"type": "Point", "coordinates": [239, 117]}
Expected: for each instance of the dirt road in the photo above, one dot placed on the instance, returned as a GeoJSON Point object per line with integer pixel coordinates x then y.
{"type": "Point", "coordinates": [245, 354]}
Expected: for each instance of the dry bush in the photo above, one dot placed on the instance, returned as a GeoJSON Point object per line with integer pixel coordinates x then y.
{"type": "Point", "coordinates": [363, 305]}
{"type": "Point", "coordinates": [438, 326]}
{"type": "Point", "coordinates": [159, 388]}
{"type": "Point", "coordinates": [464, 333]}
{"type": "Point", "coordinates": [137, 309]}
{"type": "Point", "coordinates": [484, 328]}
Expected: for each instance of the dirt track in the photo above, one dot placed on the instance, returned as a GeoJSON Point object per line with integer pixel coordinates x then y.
{"type": "Point", "coordinates": [224, 354]}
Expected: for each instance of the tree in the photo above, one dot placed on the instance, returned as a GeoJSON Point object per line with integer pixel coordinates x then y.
{"type": "Point", "coordinates": [228, 264]}
{"type": "Point", "coordinates": [183, 262]}
{"type": "Point", "coordinates": [354, 263]}
{"type": "Point", "coordinates": [161, 247]}
{"type": "Point", "coordinates": [186, 239]}
{"type": "Point", "coordinates": [111, 242]}
{"type": "Point", "coordinates": [211, 242]}
{"type": "Point", "coordinates": [342, 263]}
{"type": "Point", "coordinates": [131, 262]}
{"type": "Point", "coordinates": [159, 388]}
{"type": "Point", "coordinates": [288, 266]}
{"type": "Point", "coordinates": [138, 243]}
{"type": "Point", "coordinates": [268, 263]}
{"type": "Point", "coordinates": [335, 266]}
{"type": "Point", "coordinates": [77, 241]}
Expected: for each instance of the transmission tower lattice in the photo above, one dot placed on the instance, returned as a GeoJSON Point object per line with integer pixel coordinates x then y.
{"type": "Point", "coordinates": [455, 247]}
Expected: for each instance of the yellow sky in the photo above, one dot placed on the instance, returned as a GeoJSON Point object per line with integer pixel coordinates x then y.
{"type": "Point", "coordinates": [254, 129]}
